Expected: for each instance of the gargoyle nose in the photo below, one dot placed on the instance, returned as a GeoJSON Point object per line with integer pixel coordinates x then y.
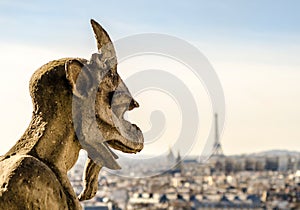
{"type": "Point", "coordinates": [133, 104]}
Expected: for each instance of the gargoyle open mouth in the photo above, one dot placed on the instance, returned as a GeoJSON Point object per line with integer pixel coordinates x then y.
{"type": "Point", "coordinates": [134, 145]}
{"type": "Point", "coordinates": [123, 135]}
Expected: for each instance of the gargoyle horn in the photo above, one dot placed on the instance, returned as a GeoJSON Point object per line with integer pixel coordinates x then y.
{"type": "Point", "coordinates": [104, 44]}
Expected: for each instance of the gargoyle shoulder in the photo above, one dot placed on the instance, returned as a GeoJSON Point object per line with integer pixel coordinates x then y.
{"type": "Point", "coordinates": [27, 179]}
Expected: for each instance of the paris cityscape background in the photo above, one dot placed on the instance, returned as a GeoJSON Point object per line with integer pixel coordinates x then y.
{"type": "Point", "coordinates": [254, 48]}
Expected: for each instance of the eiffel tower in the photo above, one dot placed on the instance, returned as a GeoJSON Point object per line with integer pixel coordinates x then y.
{"type": "Point", "coordinates": [217, 149]}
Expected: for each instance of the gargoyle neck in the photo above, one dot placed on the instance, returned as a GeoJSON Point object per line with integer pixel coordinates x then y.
{"type": "Point", "coordinates": [58, 144]}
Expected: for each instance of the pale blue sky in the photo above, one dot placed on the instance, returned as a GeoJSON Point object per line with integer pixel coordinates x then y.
{"type": "Point", "coordinates": [266, 20]}
{"type": "Point", "coordinates": [253, 45]}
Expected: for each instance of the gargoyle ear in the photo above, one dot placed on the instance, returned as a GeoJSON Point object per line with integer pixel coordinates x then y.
{"type": "Point", "coordinates": [79, 77]}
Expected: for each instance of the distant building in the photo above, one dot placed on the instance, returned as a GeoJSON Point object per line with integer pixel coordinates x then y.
{"type": "Point", "coordinates": [178, 166]}
{"type": "Point", "coordinates": [260, 164]}
{"type": "Point", "coordinates": [292, 164]}
{"type": "Point", "coordinates": [95, 208]}
{"type": "Point", "coordinates": [283, 163]}
{"type": "Point", "coordinates": [272, 163]}
{"type": "Point", "coordinates": [240, 164]}
{"type": "Point", "coordinates": [250, 164]}
{"type": "Point", "coordinates": [229, 165]}
{"type": "Point", "coordinates": [298, 164]}
{"type": "Point", "coordinates": [171, 157]}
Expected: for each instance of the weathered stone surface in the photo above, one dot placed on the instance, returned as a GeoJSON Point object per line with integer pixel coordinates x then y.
{"type": "Point", "coordinates": [66, 118]}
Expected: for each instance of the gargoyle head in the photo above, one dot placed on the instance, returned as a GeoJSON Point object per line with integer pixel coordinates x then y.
{"type": "Point", "coordinates": [100, 100]}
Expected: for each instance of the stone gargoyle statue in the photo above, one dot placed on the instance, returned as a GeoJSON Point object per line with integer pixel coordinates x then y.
{"type": "Point", "coordinates": [77, 104]}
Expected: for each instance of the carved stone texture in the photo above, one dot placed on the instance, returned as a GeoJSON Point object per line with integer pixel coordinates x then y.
{"type": "Point", "coordinates": [78, 104]}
